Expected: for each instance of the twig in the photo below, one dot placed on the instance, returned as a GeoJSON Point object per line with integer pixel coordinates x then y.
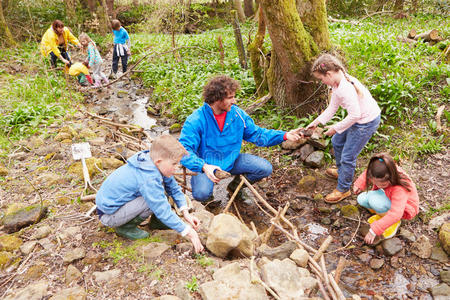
{"type": "Point", "coordinates": [336, 288]}
{"type": "Point", "coordinates": [349, 242]}
{"type": "Point", "coordinates": [376, 13]}
{"type": "Point", "coordinates": [438, 118]}
{"type": "Point", "coordinates": [303, 244]}
{"type": "Point", "coordinates": [323, 247]}
{"type": "Point", "coordinates": [281, 212]}
{"type": "Point", "coordinates": [322, 289]}
{"type": "Point", "coordinates": [327, 280]}
{"type": "Point", "coordinates": [233, 196]}
{"type": "Point", "coordinates": [88, 198]}
{"type": "Point", "coordinates": [237, 212]}
{"type": "Point", "coordinates": [339, 268]}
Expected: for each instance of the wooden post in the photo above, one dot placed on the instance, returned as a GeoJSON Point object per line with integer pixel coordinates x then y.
{"type": "Point", "coordinates": [239, 42]}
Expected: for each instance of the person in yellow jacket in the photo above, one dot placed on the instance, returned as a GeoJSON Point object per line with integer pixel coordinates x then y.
{"type": "Point", "coordinates": [55, 43]}
{"type": "Point", "coordinates": [81, 71]}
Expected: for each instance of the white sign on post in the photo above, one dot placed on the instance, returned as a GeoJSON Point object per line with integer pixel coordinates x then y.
{"type": "Point", "coordinates": [83, 151]}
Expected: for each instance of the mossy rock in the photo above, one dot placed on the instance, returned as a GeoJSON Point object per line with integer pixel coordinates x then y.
{"type": "Point", "coordinates": [62, 136]}
{"type": "Point", "coordinates": [111, 162]}
{"type": "Point", "coordinates": [3, 171]}
{"type": "Point", "coordinates": [35, 142]}
{"type": "Point", "coordinates": [5, 259]}
{"type": "Point", "coordinates": [318, 197]}
{"type": "Point", "coordinates": [307, 183]}
{"type": "Point", "coordinates": [87, 133]}
{"type": "Point", "coordinates": [444, 237]}
{"type": "Point", "coordinates": [122, 94]}
{"type": "Point", "coordinates": [77, 168]}
{"type": "Point", "coordinates": [349, 210]}
{"type": "Point", "coordinates": [49, 156]}
{"type": "Point", "coordinates": [13, 207]}
{"type": "Point", "coordinates": [23, 217]}
{"type": "Point", "coordinates": [152, 111]}
{"type": "Point", "coordinates": [10, 242]}
{"type": "Point", "coordinates": [70, 130]}
{"type": "Point", "coordinates": [63, 200]}
{"type": "Point", "coordinates": [175, 128]}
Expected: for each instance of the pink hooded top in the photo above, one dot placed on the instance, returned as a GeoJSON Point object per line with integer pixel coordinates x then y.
{"type": "Point", "coordinates": [359, 111]}
{"type": "Point", "coordinates": [404, 204]}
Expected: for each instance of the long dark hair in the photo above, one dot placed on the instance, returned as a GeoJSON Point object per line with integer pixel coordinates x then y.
{"type": "Point", "coordinates": [57, 24]}
{"type": "Point", "coordinates": [382, 166]}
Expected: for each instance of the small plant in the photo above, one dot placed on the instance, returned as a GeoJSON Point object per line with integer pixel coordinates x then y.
{"type": "Point", "coordinates": [192, 285]}
{"type": "Point", "coordinates": [203, 261]}
{"type": "Point", "coordinates": [431, 146]}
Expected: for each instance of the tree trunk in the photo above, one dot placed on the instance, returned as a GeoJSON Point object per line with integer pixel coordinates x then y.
{"type": "Point", "coordinates": [237, 4]}
{"type": "Point", "coordinates": [248, 8]}
{"type": "Point", "coordinates": [294, 48]}
{"type": "Point", "coordinates": [257, 56]}
{"type": "Point", "coordinates": [398, 5]}
{"type": "Point", "coordinates": [238, 37]}
{"type": "Point", "coordinates": [414, 6]}
{"type": "Point", "coordinates": [103, 18]}
{"type": "Point", "coordinates": [5, 34]}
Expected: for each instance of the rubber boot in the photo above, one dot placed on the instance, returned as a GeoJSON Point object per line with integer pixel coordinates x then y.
{"type": "Point", "coordinates": [98, 83]}
{"type": "Point", "coordinates": [131, 231]}
{"type": "Point", "coordinates": [156, 223]}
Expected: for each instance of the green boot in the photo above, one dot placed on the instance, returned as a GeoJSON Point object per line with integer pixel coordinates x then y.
{"type": "Point", "coordinates": [131, 231]}
{"type": "Point", "coordinates": [156, 223]}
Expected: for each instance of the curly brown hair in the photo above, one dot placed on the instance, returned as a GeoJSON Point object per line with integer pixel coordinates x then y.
{"type": "Point", "coordinates": [219, 88]}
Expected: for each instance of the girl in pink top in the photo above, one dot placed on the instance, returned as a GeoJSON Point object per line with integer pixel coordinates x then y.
{"type": "Point", "coordinates": [393, 196]}
{"type": "Point", "coordinates": [352, 133]}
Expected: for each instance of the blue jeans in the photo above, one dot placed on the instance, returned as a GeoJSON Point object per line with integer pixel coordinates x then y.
{"type": "Point", "coordinates": [376, 200]}
{"type": "Point", "coordinates": [253, 167]}
{"type": "Point", "coordinates": [347, 146]}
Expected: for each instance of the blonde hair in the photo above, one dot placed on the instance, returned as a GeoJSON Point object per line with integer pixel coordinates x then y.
{"type": "Point", "coordinates": [84, 37]}
{"type": "Point", "coordinates": [328, 62]}
{"type": "Point", "coordinates": [167, 147]}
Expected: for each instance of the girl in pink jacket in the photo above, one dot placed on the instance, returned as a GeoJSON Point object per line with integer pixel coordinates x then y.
{"type": "Point", "coordinates": [393, 196]}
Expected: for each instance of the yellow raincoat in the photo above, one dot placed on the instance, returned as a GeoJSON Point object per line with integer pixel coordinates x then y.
{"type": "Point", "coordinates": [49, 41]}
{"type": "Point", "coordinates": [77, 68]}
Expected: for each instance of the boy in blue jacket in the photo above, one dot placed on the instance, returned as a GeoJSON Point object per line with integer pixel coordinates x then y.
{"type": "Point", "coordinates": [136, 190]}
{"type": "Point", "coordinates": [122, 48]}
{"type": "Point", "coordinates": [213, 136]}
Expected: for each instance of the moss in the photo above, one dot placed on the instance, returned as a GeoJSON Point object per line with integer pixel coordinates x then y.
{"type": "Point", "coordinates": [349, 210]}
{"type": "Point", "coordinates": [5, 259]}
{"type": "Point", "coordinates": [77, 168]}
{"type": "Point", "coordinates": [10, 242]}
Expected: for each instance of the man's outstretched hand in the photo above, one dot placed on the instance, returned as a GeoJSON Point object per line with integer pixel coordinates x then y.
{"type": "Point", "coordinates": [293, 135]}
{"type": "Point", "coordinates": [209, 171]}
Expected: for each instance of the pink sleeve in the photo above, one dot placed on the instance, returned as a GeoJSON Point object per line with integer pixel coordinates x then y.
{"type": "Point", "coordinates": [351, 103]}
{"type": "Point", "coordinates": [398, 196]}
{"type": "Point", "coordinates": [360, 183]}
{"type": "Point", "coordinates": [329, 112]}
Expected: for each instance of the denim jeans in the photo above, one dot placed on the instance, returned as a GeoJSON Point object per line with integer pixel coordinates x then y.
{"type": "Point", "coordinates": [54, 58]}
{"type": "Point", "coordinates": [130, 210]}
{"type": "Point", "coordinates": [253, 167]}
{"type": "Point", "coordinates": [115, 62]}
{"type": "Point", "coordinates": [376, 200]}
{"type": "Point", "coordinates": [347, 146]}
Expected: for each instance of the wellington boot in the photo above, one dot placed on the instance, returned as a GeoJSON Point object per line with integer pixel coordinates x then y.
{"type": "Point", "coordinates": [156, 223]}
{"type": "Point", "coordinates": [131, 231]}
{"type": "Point", "coordinates": [392, 230]}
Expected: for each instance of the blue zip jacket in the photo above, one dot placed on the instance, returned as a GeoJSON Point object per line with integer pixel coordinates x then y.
{"type": "Point", "coordinates": [140, 177]}
{"type": "Point", "coordinates": [120, 36]}
{"type": "Point", "coordinates": [205, 142]}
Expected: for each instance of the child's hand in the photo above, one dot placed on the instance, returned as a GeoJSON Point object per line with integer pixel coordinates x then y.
{"type": "Point", "coordinates": [369, 238]}
{"type": "Point", "coordinates": [356, 190]}
{"type": "Point", "coordinates": [194, 221]}
{"type": "Point", "coordinates": [312, 125]}
{"type": "Point", "coordinates": [195, 240]}
{"type": "Point", "coordinates": [331, 131]}
{"type": "Point", "coordinates": [128, 52]}
{"type": "Point", "coordinates": [293, 135]}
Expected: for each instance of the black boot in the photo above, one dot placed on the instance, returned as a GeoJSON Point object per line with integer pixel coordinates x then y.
{"type": "Point", "coordinates": [131, 231]}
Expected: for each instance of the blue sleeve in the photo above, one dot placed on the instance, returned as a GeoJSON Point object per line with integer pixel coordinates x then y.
{"type": "Point", "coordinates": [125, 34]}
{"type": "Point", "coordinates": [153, 193]}
{"type": "Point", "coordinates": [173, 189]}
{"type": "Point", "coordinates": [190, 138]}
{"type": "Point", "coordinates": [260, 136]}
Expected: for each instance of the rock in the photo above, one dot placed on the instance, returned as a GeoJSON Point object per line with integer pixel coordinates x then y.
{"type": "Point", "coordinates": [440, 291]}
{"type": "Point", "coordinates": [70, 130]}
{"type": "Point", "coordinates": [41, 232]}
{"type": "Point", "coordinates": [5, 259]}
{"type": "Point", "coordinates": [87, 133]}
{"type": "Point", "coordinates": [437, 253]}
{"type": "Point", "coordinates": [111, 162]}
{"type": "Point", "coordinates": [422, 247]}
{"type": "Point", "coordinates": [73, 293]}
{"type": "Point", "coordinates": [170, 237]}
{"type": "Point", "coordinates": [444, 237]}
{"type": "Point", "coordinates": [349, 211]}
{"type": "Point", "coordinates": [227, 234]}
{"type": "Point", "coordinates": [205, 218]}
{"type": "Point", "coordinates": [9, 243]}
{"type": "Point", "coordinates": [35, 142]}
{"type": "Point", "coordinates": [122, 94]}
{"type": "Point", "coordinates": [325, 221]}
{"type": "Point", "coordinates": [365, 257]}
{"type": "Point", "coordinates": [106, 275]}
{"type": "Point", "coordinates": [35, 271]}
{"type": "Point", "coordinates": [49, 179]}
{"type": "Point", "coordinates": [23, 217]}
{"type": "Point", "coordinates": [391, 246]}
{"type": "Point", "coordinates": [300, 257]}
{"type": "Point", "coordinates": [98, 141]}
{"type": "Point", "coordinates": [438, 221]}
{"type": "Point", "coordinates": [408, 235]}
{"type": "Point", "coordinates": [291, 145]}
{"type": "Point", "coordinates": [318, 197]}
{"type": "Point", "coordinates": [62, 136]}
{"type": "Point", "coordinates": [73, 255]}
{"type": "Point", "coordinates": [376, 263]}
{"type": "Point", "coordinates": [445, 276]}
{"type": "Point", "coordinates": [3, 171]}
{"type": "Point", "coordinates": [43, 151]}
{"type": "Point", "coordinates": [286, 279]}
{"type": "Point", "coordinates": [184, 247]}
{"type": "Point", "coordinates": [92, 258]}
{"type": "Point", "coordinates": [315, 159]}
{"type": "Point", "coordinates": [35, 291]}
{"type": "Point", "coordinates": [304, 151]}
{"type": "Point", "coordinates": [168, 297]}
{"type": "Point", "coordinates": [27, 247]}
{"type": "Point", "coordinates": [69, 232]}
{"type": "Point", "coordinates": [318, 143]}
{"type": "Point", "coordinates": [77, 168]}
{"type": "Point", "coordinates": [175, 128]}
{"type": "Point", "coordinates": [324, 209]}
{"type": "Point", "coordinates": [281, 252]}
{"type": "Point", "coordinates": [307, 183]}
{"type": "Point", "coordinates": [152, 111]}
{"type": "Point", "coordinates": [181, 291]}
{"type": "Point", "coordinates": [153, 250]}
{"type": "Point", "coordinates": [72, 274]}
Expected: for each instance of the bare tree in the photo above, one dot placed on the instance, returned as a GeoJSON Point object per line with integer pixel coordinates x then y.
{"type": "Point", "coordinates": [248, 8]}
{"type": "Point", "coordinates": [5, 33]}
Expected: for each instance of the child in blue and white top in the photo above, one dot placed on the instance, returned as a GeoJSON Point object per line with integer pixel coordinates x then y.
{"type": "Point", "coordinates": [138, 189]}
{"type": "Point", "coordinates": [93, 60]}
{"type": "Point", "coordinates": [122, 46]}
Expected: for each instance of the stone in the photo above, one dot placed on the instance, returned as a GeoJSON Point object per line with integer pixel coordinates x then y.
{"type": "Point", "coordinates": [349, 211]}
{"type": "Point", "coordinates": [62, 136]}
{"type": "Point", "coordinates": [23, 217]}
{"type": "Point", "coordinates": [153, 250]}
{"type": "Point", "coordinates": [318, 197]}
{"type": "Point", "coordinates": [72, 274]}
{"type": "Point", "coordinates": [305, 151]}
{"type": "Point", "coordinates": [174, 128]}
{"type": "Point", "coordinates": [422, 247]}
{"type": "Point", "coordinates": [315, 159]}
{"type": "Point", "coordinates": [43, 151]}
{"type": "Point", "coordinates": [444, 237]}
{"type": "Point", "coordinates": [73, 293]}
{"type": "Point", "coordinates": [106, 275]}
{"type": "Point", "coordinates": [73, 255]}
{"type": "Point", "coordinates": [3, 171]}
{"type": "Point", "coordinates": [9, 243]}
{"type": "Point", "coordinates": [408, 235]}
{"type": "Point", "coordinates": [92, 258]}
{"type": "Point", "coordinates": [69, 130]}
{"type": "Point", "coordinates": [41, 232]}
{"type": "Point", "coordinates": [111, 162]}
{"type": "Point", "coordinates": [5, 259]}
{"type": "Point", "coordinates": [437, 253]}
{"type": "Point", "coordinates": [98, 141]}
{"type": "Point", "coordinates": [77, 168]}
{"type": "Point", "coordinates": [281, 252]}
{"type": "Point", "coordinates": [49, 179]}
{"type": "Point", "coordinates": [365, 257]}
{"type": "Point", "coordinates": [87, 133]}
{"type": "Point", "coordinates": [181, 291]}
{"type": "Point", "coordinates": [122, 94]}
{"type": "Point", "coordinates": [440, 291]}
{"type": "Point", "coordinates": [445, 276]}
{"type": "Point", "coordinates": [205, 218]}
{"type": "Point", "coordinates": [167, 297]}
{"type": "Point", "coordinates": [286, 279]}
{"type": "Point", "coordinates": [325, 221]}
{"type": "Point", "coordinates": [184, 247]}
{"type": "Point", "coordinates": [307, 183]}
{"type": "Point", "coordinates": [318, 143]}
{"type": "Point", "coordinates": [68, 233]}
{"type": "Point", "coordinates": [376, 263]}
{"type": "Point", "coordinates": [300, 257]}
{"type": "Point", "coordinates": [35, 291]}
{"type": "Point", "coordinates": [292, 145]}
{"type": "Point", "coordinates": [27, 247]}
{"type": "Point", "coordinates": [391, 246]}
{"type": "Point", "coordinates": [324, 209]}
{"type": "Point", "coordinates": [227, 234]}
{"type": "Point", "coordinates": [35, 142]}
{"type": "Point", "coordinates": [35, 271]}
{"type": "Point", "coordinates": [437, 222]}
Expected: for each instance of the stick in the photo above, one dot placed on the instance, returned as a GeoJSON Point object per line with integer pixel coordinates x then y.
{"type": "Point", "coordinates": [322, 289]}
{"type": "Point", "coordinates": [323, 247]}
{"type": "Point", "coordinates": [254, 228]}
{"type": "Point", "coordinates": [237, 212]}
{"type": "Point", "coordinates": [438, 118]}
{"type": "Point", "coordinates": [336, 288]}
{"type": "Point", "coordinates": [233, 196]}
{"type": "Point", "coordinates": [88, 198]}
{"type": "Point", "coordinates": [327, 280]}
{"type": "Point", "coordinates": [281, 212]}
{"type": "Point", "coordinates": [303, 244]}
{"type": "Point", "coordinates": [339, 268]}
{"type": "Point", "coordinates": [349, 242]}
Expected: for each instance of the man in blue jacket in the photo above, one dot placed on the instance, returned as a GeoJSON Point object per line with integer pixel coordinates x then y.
{"type": "Point", "coordinates": [213, 136]}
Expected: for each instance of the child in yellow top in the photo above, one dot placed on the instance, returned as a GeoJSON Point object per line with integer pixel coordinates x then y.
{"type": "Point", "coordinates": [81, 71]}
